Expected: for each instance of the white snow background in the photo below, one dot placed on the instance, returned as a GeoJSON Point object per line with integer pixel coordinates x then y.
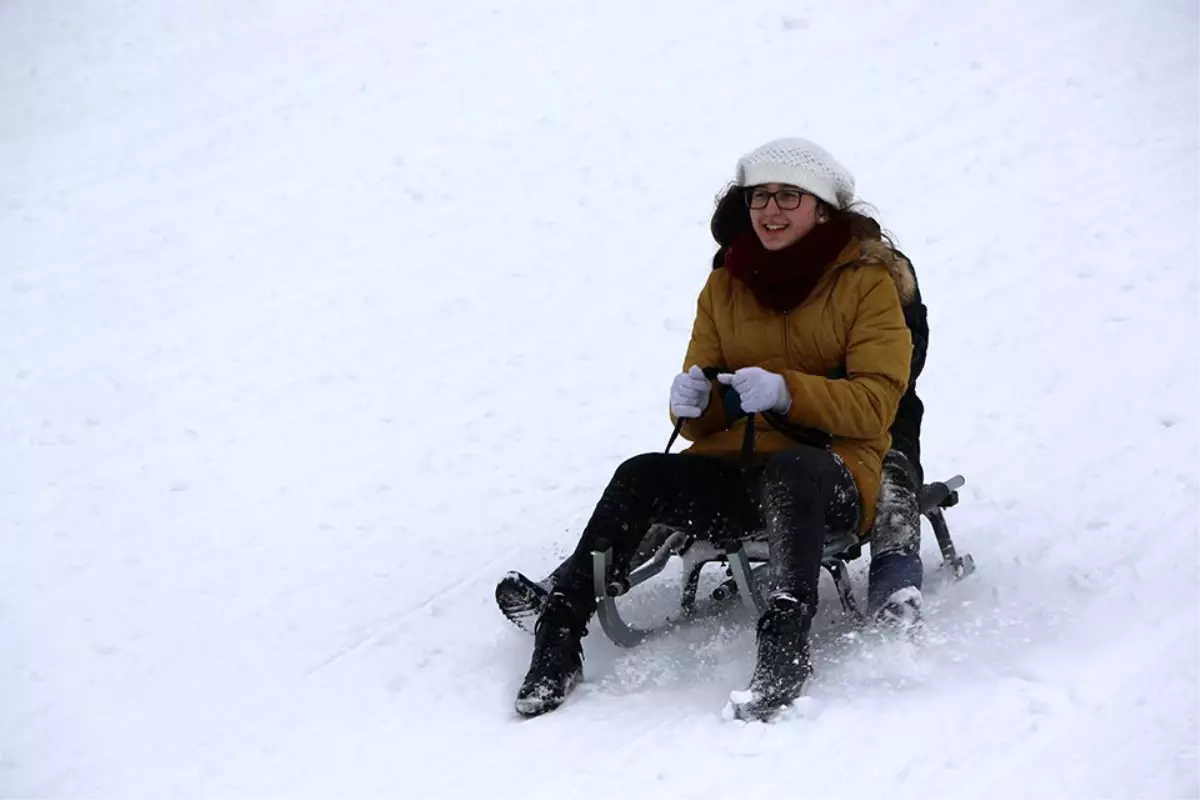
{"type": "Point", "coordinates": [316, 317]}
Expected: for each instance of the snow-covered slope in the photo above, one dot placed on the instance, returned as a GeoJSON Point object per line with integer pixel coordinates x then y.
{"type": "Point", "coordinates": [303, 312]}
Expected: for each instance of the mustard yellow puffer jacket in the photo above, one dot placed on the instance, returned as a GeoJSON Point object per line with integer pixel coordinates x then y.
{"type": "Point", "coordinates": [845, 353]}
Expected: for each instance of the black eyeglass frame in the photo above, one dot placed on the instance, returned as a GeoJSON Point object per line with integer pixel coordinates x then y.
{"type": "Point", "coordinates": [749, 193]}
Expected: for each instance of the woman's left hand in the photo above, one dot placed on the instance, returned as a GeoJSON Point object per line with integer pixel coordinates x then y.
{"type": "Point", "coordinates": [759, 389]}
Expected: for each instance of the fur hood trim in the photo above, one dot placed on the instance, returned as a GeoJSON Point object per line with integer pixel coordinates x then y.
{"type": "Point", "coordinates": [877, 253]}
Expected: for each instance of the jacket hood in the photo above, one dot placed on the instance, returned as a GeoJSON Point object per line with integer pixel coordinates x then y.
{"type": "Point", "coordinates": [872, 252]}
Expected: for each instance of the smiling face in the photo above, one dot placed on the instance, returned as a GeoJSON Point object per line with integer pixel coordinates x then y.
{"type": "Point", "coordinates": [781, 214]}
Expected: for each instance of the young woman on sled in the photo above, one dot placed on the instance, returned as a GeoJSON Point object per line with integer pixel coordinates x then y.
{"type": "Point", "coordinates": [807, 313]}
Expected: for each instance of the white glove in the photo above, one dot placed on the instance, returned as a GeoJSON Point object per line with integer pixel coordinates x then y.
{"type": "Point", "coordinates": [759, 390]}
{"type": "Point", "coordinates": [689, 393]}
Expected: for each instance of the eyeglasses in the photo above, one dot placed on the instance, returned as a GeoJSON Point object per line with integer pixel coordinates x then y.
{"type": "Point", "coordinates": [786, 199]}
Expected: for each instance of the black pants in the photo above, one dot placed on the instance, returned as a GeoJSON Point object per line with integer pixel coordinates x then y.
{"type": "Point", "coordinates": [798, 497]}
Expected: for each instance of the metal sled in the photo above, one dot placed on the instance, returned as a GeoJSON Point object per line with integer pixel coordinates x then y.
{"type": "Point", "coordinates": [744, 558]}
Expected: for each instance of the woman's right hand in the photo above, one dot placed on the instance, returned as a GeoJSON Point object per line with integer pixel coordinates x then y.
{"type": "Point", "coordinates": [690, 393]}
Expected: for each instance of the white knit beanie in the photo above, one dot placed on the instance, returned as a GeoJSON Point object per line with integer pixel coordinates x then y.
{"type": "Point", "coordinates": [800, 163]}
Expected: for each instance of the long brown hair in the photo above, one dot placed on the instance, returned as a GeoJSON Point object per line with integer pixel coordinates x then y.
{"type": "Point", "coordinates": [731, 219]}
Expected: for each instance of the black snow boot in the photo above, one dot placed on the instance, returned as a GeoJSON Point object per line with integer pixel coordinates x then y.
{"type": "Point", "coordinates": [521, 600]}
{"type": "Point", "coordinates": [783, 663]}
{"type": "Point", "coordinates": [557, 663]}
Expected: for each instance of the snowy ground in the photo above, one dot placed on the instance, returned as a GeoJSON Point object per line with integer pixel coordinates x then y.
{"type": "Point", "coordinates": [317, 317]}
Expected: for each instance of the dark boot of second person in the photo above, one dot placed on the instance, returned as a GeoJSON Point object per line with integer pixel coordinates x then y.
{"type": "Point", "coordinates": [894, 592]}
{"type": "Point", "coordinates": [557, 663]}
{"type": "Point", "coordinates": [895, 577]}
{"type": "Point", "coordinates": [783, 663]}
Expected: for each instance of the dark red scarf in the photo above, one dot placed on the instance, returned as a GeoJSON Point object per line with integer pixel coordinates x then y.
{"type": "Point", "coordinates": [783, 279]}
